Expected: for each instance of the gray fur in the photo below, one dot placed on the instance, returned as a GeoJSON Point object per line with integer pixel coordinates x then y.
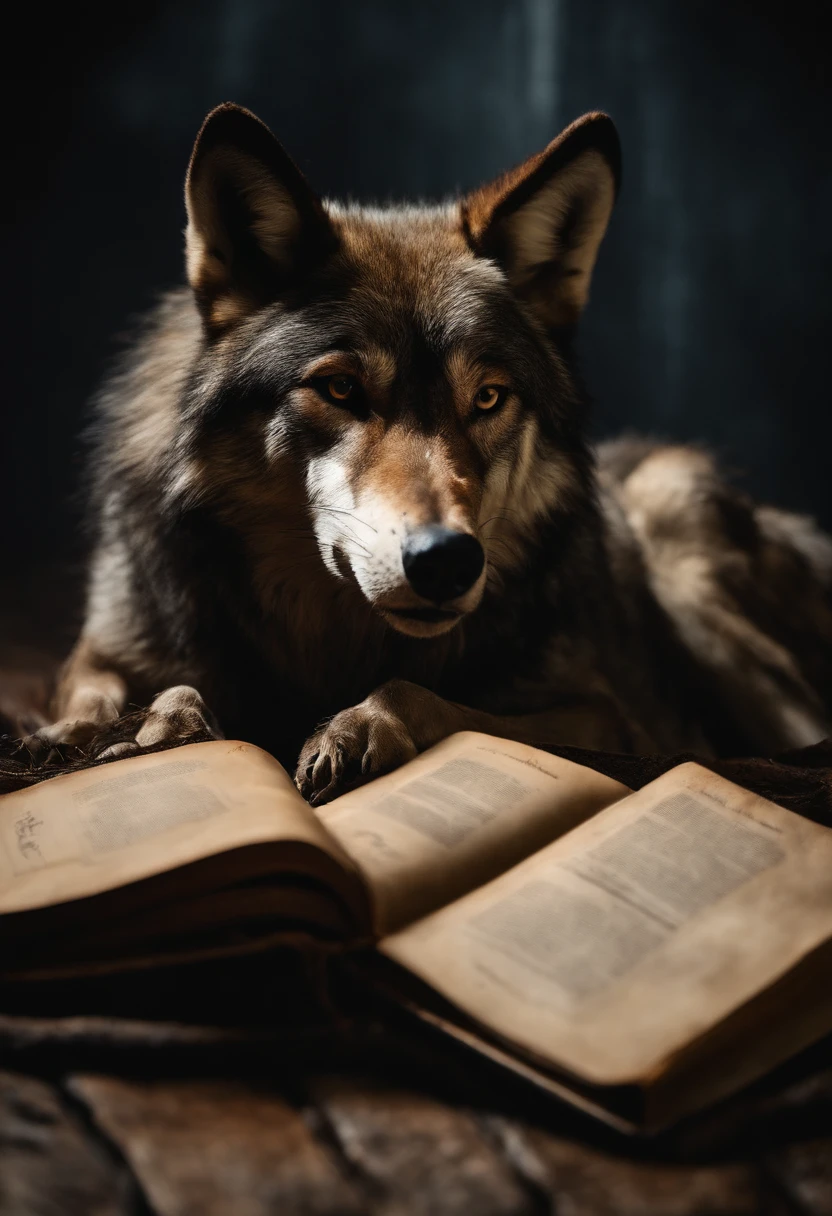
{"type": "Point", "coordinates": [249, 531]}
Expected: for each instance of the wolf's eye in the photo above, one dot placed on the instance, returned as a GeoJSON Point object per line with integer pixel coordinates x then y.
{"type": "Point", "coordinates": [490, 397]}
{"type": "Point", "coordinates": [340, 388]}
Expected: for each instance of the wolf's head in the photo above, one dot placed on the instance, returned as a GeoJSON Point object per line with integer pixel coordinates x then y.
{"type": "Point", "coordinates": [386, 391]}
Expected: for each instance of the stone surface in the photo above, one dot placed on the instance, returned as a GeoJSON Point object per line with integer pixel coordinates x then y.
{"type": "Point", "coordinates": [262, 1127]}
{"type": "Point", "coordinates": [418, 1156]}
{"type": "Point", "coordinates": [49, 1163]}
{"type": "Point", "coordinates": [582, 1181]}
{"type": "Point", "coordinates": [203, 1148]}
{"type": "Point", "coordinates": [805, 1171]}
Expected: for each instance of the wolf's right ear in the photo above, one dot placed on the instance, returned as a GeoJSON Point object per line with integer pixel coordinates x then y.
{"type": "Point", "coordinates": [253, 222]}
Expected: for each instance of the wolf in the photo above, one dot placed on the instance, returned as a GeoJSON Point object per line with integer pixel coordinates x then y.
{"type": "Point", "coordinates": [344, 502]}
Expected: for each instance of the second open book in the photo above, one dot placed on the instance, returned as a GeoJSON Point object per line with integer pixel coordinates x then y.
{"type": "Point", "coordinates": [640, 953]}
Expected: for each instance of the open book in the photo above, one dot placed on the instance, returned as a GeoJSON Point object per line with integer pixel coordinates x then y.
{"type": "Point", "coordinates": [639, 953]}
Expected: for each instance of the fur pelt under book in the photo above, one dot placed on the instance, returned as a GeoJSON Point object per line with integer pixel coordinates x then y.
{"type": "Point", "coordinates": [799, 780]}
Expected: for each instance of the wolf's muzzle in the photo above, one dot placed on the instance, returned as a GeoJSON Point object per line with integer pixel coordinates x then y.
{"type": "Point", "coordinates": [441, 564]}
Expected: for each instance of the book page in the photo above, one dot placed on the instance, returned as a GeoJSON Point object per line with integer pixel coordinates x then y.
{"type": "Point", "coordinates": [615, 947]}
{"type": "Point", "coordinates": [457, 816]}
{"type": "Point", "coordinates": [97, 829]}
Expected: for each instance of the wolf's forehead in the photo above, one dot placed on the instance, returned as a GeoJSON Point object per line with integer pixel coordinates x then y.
{"type": "Point", "coordinates": [412, 265]}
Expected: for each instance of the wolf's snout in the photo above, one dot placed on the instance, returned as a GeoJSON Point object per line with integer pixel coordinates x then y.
{"type": "Point", "coordinates": [441, 564]}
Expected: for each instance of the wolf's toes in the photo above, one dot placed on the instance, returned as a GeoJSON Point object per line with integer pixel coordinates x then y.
{"type": "Point", "coordinates": [117, 751]}
{"type": "Point", "coordinates": [358, 744]}
{"type": "Point", "coordinates": [175, 715]}
{"type": "Point", "coordinates": [44, 745]}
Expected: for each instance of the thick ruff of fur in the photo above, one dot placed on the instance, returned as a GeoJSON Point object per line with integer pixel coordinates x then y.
{"type": "Point", "coordinates": [337, 380]}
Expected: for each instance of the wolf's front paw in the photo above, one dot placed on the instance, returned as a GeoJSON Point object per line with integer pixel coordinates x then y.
{"type": "Point", "coordinates": [356, 745]}
{"type": "Point", "coordinates": [73, 734]}
{"type": "Point", "coordinates": [176, 715]}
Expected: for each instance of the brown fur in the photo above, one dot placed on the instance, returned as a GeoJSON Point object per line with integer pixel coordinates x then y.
{"type": "Point", "coordinates": [253, 531]}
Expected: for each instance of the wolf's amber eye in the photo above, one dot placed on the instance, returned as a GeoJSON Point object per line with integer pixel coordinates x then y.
{"type": "Point", "coordinates": [490, 397]}
{"type": "Point", "coordinates": [340, 388]}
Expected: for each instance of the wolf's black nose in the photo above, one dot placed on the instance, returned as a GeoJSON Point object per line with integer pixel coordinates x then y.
{"type": "Point", "coordinates": [441, 564]}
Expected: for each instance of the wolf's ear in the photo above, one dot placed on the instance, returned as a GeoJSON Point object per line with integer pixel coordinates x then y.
{"type": "Point", "coordinates": [253, 222]}
{"type": "Point", "coordinates": [544, 221]}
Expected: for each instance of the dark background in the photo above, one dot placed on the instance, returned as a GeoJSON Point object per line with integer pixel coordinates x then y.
{"type": "Point", "coordinates": [710, 312]}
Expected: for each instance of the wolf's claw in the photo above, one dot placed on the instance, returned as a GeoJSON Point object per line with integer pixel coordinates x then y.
{"type": "Point", "coordinates": [355, 746]}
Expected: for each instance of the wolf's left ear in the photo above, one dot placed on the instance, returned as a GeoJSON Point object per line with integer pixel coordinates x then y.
{"type": "Point", "coordinates": [544, 221]}
{"type": "Point", "coordinates": [253, 222]}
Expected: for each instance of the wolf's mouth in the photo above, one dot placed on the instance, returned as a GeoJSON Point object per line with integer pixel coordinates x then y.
{"type": "Point", "coordinates": [431, 616]}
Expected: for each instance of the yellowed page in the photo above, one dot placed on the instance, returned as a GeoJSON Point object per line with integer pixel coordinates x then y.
{"type": "Point", "coordinates": [613, 948]}
{"type": "Point", "coordinates": [101, 828]}
{"type": "Point", "coordinates": [457, 816]}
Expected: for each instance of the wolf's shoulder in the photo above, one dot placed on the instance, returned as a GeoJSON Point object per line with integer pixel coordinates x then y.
{"type": "Point", "coordinates": [157, 351]}
{"type": "Point", "coordinates": [136, 416]}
